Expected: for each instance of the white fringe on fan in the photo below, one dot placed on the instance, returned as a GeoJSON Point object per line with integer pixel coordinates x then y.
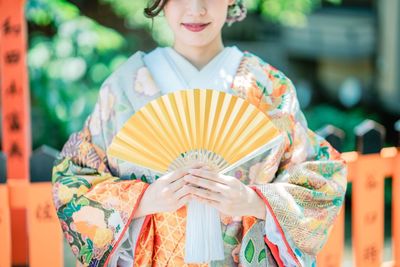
{"type": "Point", "coordinates": [203, 234]}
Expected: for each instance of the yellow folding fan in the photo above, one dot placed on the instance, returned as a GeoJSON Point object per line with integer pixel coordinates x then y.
{"type": "Point", "coordinates": [205, 125]}
{"type": "Point", "coordinates": [182, 127]}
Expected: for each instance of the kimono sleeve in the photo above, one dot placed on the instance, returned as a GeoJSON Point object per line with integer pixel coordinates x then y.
{"type": "Point", "coordinates": [94, 207]}
{"type": "Point", "coordinates": [304, 183]}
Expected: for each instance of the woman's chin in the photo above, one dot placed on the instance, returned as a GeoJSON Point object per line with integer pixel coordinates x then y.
{"type": "Point", "coordinates": [196, 42]}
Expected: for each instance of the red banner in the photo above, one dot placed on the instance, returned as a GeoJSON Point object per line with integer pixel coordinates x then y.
{"type": "Point", "coordinates": [16, 139]}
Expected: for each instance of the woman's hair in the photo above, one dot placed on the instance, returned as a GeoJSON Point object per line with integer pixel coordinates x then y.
{"type": "Point", "coordinates": [154, 8]}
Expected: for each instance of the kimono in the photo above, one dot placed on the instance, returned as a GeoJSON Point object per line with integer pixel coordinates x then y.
{"type": "Point", "coordinates": [302, 180]}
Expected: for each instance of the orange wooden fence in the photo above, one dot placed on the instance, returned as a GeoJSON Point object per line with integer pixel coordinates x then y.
{"type": "Point", "coordinates": [366, 172]}
{"type": "Point", "coordinates": [44, 236]}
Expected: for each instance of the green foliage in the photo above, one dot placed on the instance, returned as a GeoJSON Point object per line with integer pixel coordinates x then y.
{"type": "Point", "coordinates": [132, 12]}
{"type": "Point", "coordinates": [46, 12]}
{"type": "Point", "coordinates": [66, 69]}
{"type": "Point", "coordinates": [289, 12]}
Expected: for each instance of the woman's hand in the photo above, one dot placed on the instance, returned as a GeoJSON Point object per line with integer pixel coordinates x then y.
{"type": "Point", "coordinates": [167, 194]}
{"type": "Point", "coordinates": [225, 193]}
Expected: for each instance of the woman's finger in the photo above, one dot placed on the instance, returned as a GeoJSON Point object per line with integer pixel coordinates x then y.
{"type": "Point", "coordinates": [207, 194]}
{"type": "Point", "coordinates": [211, 175]}
{"type": "Point", "coordinates": [175, 175]}
{"type": "Point", "coordinates": [208, 184]}
{"type": "Point", "coordinates": [176, 185]}
{"type": "Point", "coordinates": [183, 191]}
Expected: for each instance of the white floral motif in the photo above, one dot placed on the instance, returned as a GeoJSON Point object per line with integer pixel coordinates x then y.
{"type": "Point", "coordinates": [95, 125]}
{"type": "Point", "coordinates": [144, 82]}
{"type": "Point", "coordinates": [108, 100]}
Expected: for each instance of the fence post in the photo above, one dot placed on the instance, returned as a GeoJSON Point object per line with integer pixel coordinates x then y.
{"type": "Point", "coordinates": [5, 226]}
{"type": "Point", "coordinates": [333, 135]}
{"type": "Point", "coordinates": [396, 202]}
{"type": "Point", "coordinates": [45, 249]}
{"type": "Point", "coordinates": [397, 128]}
{"type": "Point", "coordinates": [332, 253]}
{"type": "Point", "coordinates": [368, 196]}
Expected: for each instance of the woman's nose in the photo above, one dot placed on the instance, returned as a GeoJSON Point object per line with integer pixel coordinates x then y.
{"type": "Point", "coordinates": [197, 8]}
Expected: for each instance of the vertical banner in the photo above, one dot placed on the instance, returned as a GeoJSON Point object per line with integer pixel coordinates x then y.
{"type": "Point", "coordinates": [14, 89]}
{"type": "Point", "coordinates": [16, 141]}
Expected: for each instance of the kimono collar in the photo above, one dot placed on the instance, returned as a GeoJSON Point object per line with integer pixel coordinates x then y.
{"type": "Point", "coordinates": [172, 71]}
{"type": "Point", "coordinates": [251, 82]}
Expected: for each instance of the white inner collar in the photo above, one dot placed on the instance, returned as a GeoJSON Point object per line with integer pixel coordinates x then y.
{"type": "Point", "coordinates": [171, 71]}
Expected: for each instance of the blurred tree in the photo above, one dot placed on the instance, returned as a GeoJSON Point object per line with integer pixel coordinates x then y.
{"type": "Point", "coordinates": [69, 57]}
{"type": "Point", "coordinates": [290, 12]}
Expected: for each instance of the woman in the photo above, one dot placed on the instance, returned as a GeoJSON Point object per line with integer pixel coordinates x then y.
{"type": "Point", "coordinates": [275, 211]}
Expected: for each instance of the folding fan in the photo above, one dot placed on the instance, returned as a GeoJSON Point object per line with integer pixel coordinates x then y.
{"type": "Point", "coordinates": [182, 127]}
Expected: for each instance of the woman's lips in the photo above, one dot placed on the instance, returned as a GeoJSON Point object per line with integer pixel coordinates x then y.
{"type": "Point", "coordinates": [195, 27]}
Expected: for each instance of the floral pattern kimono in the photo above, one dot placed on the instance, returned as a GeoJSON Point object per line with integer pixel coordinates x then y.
{"type": "Point", "coordinates": [302, 181]}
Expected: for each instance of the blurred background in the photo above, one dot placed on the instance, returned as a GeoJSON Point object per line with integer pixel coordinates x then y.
{"type": "Point", "coordinates": [342, 55]}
